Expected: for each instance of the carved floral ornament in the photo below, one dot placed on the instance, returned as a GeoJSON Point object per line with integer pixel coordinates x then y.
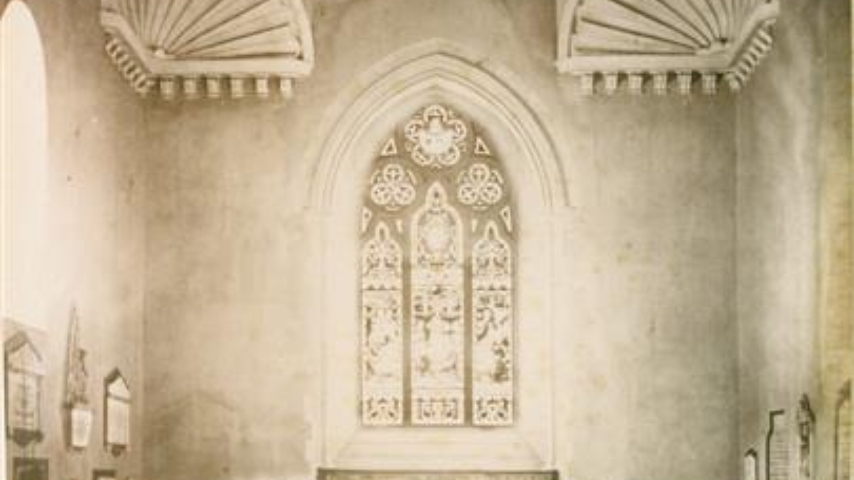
{"type": "Point", "coordinates": [662, 45]}
{"type": "Point", "coordinates": [435, 137]}
{"type": "Point", "coordinates": [209, 48]}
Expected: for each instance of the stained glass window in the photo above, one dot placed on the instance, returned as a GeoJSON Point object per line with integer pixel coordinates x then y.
{"type": "Point", "coordinates": [437, 329]}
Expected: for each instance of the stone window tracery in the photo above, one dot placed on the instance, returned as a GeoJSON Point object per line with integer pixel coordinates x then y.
{"type": "Point", "coordinates": [437, 323]}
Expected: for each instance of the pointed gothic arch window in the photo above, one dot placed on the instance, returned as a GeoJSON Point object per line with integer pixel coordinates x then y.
{"type": "Point", "coordinates": [437, 327]}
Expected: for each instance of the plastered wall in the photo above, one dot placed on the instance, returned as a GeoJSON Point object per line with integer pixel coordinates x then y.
{"type": "Point", "coordinates": [794, 226]}
{"type": "Point", "coordinates": [647, 384]}
{"type": "Point", "coordinates": [693, 292]}
{"type": "Point", "coordinates": [93, 235]}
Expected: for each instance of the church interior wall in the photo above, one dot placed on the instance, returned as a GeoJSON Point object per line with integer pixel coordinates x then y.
{"type": "Point", "coordinates": [93, 246]}
{"type": "Point", "coordinates": [689, 281]}
{"type": "Point", "coordinates": [648, 239]}
{"type": "Point", "coordinates": [794, 225]}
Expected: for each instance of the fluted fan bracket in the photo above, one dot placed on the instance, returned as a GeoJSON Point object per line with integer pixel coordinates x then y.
{"type": "Point", "coordinates": [661, 46]}
{"type": "Point", "coordinates": [209, 48]}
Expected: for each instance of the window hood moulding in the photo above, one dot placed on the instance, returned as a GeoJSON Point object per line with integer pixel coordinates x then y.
{"type": "Point", "coordinates": [209, 48]}
{"type": "Point", "coordinates": [661, 46]}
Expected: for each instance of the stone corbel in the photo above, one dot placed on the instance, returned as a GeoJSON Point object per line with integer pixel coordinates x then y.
{"type": "Point", "coordinates": [663, 46]}
{"type": "Point", "coordinates": [209, 49]}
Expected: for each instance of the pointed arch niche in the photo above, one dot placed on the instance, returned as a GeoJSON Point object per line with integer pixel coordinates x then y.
{"type": "Point", "coordinates": [353, 134]}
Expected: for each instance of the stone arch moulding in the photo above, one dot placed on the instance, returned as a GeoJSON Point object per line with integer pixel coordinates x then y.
{"type": "Point", "coordinates": [437, 65]}
{"type": "Point", "coordinates": [192, 48]}
{"type": "Point", "coordinates": [352, 133]}
{"type": "Point", "coordinates": [668, 44]}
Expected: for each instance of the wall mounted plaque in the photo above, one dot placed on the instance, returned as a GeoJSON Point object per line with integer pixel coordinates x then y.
{"type": "Point", "coordinates": [843, 435]}
{"type": "Point", "coordinates": [777, 447]}
{"type": "Point", "coordinates": [24, 372]}
{"type": "Point", "coordinates": [751, 465]}
{"type": "Point", "coordinates": [806, 427]}
{"type": "Point", "coordinates": [81, 427]}
{"type": "Point", "coordinates": [117, 404]}
{"type": "Point", "coordinates": [79, 416]}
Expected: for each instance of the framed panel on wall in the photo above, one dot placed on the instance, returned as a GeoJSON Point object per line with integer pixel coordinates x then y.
{"type": "Point", "coordinates": [843, 432]}
{"type": "Point", "coordinates": [25, 369]}
{"type": "Point", "coordinates": [117, 404]}
{"type": "Point", "coordinates": [751, 465]}
{"type": "Point", "coordinates": [806, 427]}
{"type": "Point", "coordinates": [777, 447]}
{"type": "Point", "coordinates": [79, 414]}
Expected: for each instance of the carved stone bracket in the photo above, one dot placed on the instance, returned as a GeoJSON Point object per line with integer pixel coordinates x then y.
{"type": "Point", "coordinates": [209, 48]}
{"type": "Point", "coordinates": [663, 46]}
